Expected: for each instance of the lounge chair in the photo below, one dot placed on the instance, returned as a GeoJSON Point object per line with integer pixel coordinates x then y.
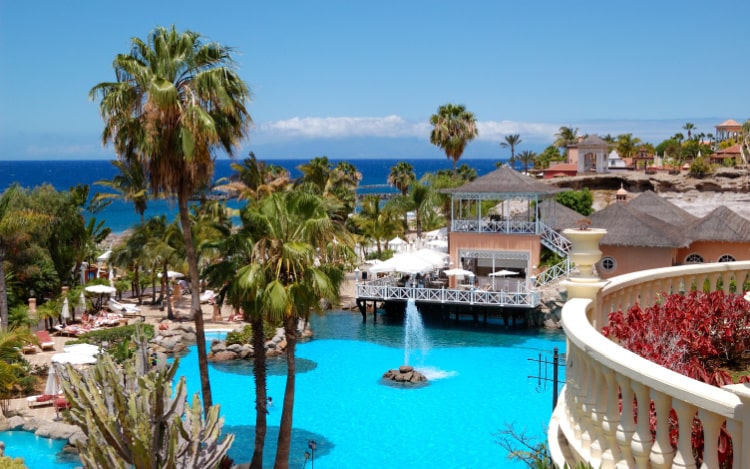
{"type": "Point", "coordinates": [208, 296]}
{"type": "Point", "coordinates": [40, 400]}
{"type": "Point", "coordinates": [126, 310]}
{"type": "Point", "coordinates": [45, 341]}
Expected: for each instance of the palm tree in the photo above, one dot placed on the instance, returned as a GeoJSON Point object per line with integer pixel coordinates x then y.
{"type": "Point", "coordinates": [565, 136]}
{"type": "Point", "coordinates": [303, 253]}
{"type": "Point", "coordinates": [176, 101]}
{"type": "Point", "coordinates": [510, 142]}
{"type": "Point", "coordinates": [526, 158]}
{"type": "Point", "coordinates": [402, 176]}
{"type": "Point", "coordinates": [254, 179]}
{"type": "Point", "coordinates": [130, 185]}
{"type": "Point", "coordinates": [689, 127]}
{"type": "Point", "coordinates": [453, 128]}
{"type": "Point", "coordinates": [627, 145]}
{"type": "Point", "coordinates": [375, 222]}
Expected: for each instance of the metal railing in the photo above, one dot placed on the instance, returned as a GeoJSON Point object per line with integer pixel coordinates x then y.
{"type": "Point", "coordinates": [554, 241]}
{"type": "Point", "coordinates": [589, 424]}
{"type": "Point", "coordinates": [492, 226]}
{"type": "Point", "coordinates": [373, 291]}
{"type": "Point", "coordinates": [559, 270]}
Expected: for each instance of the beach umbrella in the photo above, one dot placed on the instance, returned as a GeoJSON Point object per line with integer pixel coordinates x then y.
{"type": "Point", "coordinates": [458, 273]}
{"type": "Point", "coordinates": [407, 263]}
{"type": "Point", "coordinates": [172, 274]}
{"type": "Point", "coordinates": [100, 290]}
{"type": "Point", "coordinates": [65, 311]}
{"type": "Point", "coordinates": [81, 303]}
{"type": "Point", "coordinates": [436, 258]}
{"type": "Point", "coordinates": [501, 273]}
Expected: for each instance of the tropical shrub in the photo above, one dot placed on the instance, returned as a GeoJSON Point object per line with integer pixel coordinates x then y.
{"type": "Point", "coordinates": [699, 335]}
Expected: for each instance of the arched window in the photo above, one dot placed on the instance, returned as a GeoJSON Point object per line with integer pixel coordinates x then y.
{"type": "Point", "coordinates": [694, 259]}
{"type": "Point", "coordinates": [608, 264]}
{"type": "Point", "coordinates": [726, 258]}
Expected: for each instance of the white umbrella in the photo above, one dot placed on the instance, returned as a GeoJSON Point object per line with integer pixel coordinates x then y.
{"type": "Point", "coordinates": [65, 311]}
{"type": "Point", "coordinates": [105, 256]}
{"type": "Point", "coordinates": [458, 273]}
{"type": "Point", "coordinates": [436, 258]}
{"type": "Point", "coordinates": [171, 274]}
{"type": "Point", "coordinates": [503, 273]}
{"type": "Point", "coordinates": [81, 304]}
{"type": "Point", "coordinates": [407, 263]}
{"type": "Point", "coordinates": [100, 289]}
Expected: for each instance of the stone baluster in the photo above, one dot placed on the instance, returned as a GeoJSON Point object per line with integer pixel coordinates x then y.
{"type": "Point", "coordinates": [640, 444]}
{"type": "Point", "coordinates": [597, 402]}
{"type": "Point", "coordinates": [585, 405]}
{"type": "Point", "coordinates": [711, 431]}
{"type": "Point", "coordinates": [685, 415]}
{"type": "Point", "coordinates": [573, 389]}
{"type": "Point", "coordinates": [661, 451]}
{"type": "Point", "coordinates": [739, 428]}
{"type": "Point", "coordinates": [626, 425]}
{"type": "Point", "coordinates": [610, 419]}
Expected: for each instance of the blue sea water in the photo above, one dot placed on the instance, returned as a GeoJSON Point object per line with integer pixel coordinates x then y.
{"type": "Point", "coordinates": [119, 216]}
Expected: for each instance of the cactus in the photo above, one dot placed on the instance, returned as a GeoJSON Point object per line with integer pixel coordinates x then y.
{"type": "Point", "coordinates": [133, 420]}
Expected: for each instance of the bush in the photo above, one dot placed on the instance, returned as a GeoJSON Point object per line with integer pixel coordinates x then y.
{"type": "Point", "coordinates": [119, 339]}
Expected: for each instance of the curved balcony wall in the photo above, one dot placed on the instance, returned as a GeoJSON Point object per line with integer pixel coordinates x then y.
{"type": "Point", "coordinates": [588, 424]}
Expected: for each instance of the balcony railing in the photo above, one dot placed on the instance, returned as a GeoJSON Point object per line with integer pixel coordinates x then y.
{"type": "Point", "coordinates": [491, 226]}
{"type": "Point", "coordinates": [589, 424]}
{"type": "Point", "coordinates": [379, 289]}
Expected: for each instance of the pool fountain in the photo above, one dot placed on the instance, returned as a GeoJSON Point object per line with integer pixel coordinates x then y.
{"type": "Point", "coordinates": [414, 337]}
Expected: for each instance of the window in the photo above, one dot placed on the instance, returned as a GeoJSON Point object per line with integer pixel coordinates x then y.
{"type": "Point", "coordinates": [694, 259]}
{"type": "Point", "coordinates": [608, 264]}
{"type": "Point", "coordinates": [726, 258]}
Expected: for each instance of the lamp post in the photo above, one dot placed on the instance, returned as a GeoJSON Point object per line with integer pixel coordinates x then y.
{"type": "Point", "coordinates": [313, 446]}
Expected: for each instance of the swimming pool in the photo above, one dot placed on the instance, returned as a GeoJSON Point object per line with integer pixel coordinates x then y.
{"type": "Point", "coordinates": [479, 383]}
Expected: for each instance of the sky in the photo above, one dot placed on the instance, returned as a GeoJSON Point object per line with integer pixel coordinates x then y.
{"type": "Point", "coordinates": [353, 79]}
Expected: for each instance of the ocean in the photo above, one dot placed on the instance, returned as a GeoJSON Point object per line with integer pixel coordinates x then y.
{"type": "Point", "coordinates": [120, 216]}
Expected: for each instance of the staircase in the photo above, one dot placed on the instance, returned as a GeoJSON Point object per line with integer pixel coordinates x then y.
{"type": "Point", "coordinates": [554, 241]}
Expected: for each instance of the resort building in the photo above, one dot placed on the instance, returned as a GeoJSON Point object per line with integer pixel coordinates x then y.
{"type": "Point", "coordinates": [729, 129]}
{"type": "Point", "coordinates": [650, 232]}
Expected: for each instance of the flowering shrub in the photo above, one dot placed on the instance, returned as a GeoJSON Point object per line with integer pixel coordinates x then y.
{"type": "Point", "coordinates": [698, 335]}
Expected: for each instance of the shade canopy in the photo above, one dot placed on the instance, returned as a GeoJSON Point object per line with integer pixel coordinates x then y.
{"type": "Point", "coordinates": [65, 309]}
{"type": "Point", "coordinates": [407, 263]}
{"type": "Point", "coordinates": [458, 273]}
{"type": "Point", "coordinates": [172, 274]}
{"type": "Point", "coordinates": [436, 258]}
{"type": "Point", "coordinates": [100, 289]}
{"type": "Point", "coordinates": [503, 273]}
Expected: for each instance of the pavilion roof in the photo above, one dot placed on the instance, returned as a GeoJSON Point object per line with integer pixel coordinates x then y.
{"type": "Point", "coordinates": [628, 226]}
{"type": "Point", "coordinates": [721, 224]}
{"type": "Point", "coordinates": [729, 123]}
{"type": "Point", "coordinates": [653, 204]}
{"type": "Point", "coordinates": [556, 215]}
{"type": "Point", "coordinates": [504, 180]}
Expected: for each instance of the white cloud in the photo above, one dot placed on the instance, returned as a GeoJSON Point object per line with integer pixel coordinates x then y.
{"type": "Point", "coordinates": [529, 131]}
{"type": "Point", "coordinates": [342, 127]}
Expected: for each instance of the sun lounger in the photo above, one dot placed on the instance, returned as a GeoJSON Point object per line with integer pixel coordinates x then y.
{"type": "Point", "coordinates": [125, 309]}
{"type": "Point", "coordinates": [40, 400]}
{"type": "Point", "coordinates": [45, 341]}
{"type": "Point", "coordinates": [208, 296]}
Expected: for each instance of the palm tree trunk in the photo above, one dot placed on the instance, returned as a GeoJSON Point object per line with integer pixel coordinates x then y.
{"type": "Point", "coordinates": [195, 302]}
{"type": "Point", "coordinates": [284, 443]}
{"type": "Point", "coordinates": [259, 374]}
{"type": "Point", "coordinates": [167, 298]}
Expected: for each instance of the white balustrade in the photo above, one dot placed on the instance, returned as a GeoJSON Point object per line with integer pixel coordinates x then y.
{"type": "Point", "coordinates": [595, 422]}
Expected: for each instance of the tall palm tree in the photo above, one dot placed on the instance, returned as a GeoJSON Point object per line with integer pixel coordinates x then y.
{"type": "Point", "coordinates": [375, 222]}
{"type": "Point", "coordinates": [510, 142]}
{"type": "Point", "coordinates": [303, 253]}
{"type": "Point", "coordinates": [565, 136]}
{"type": "Point", "coordinates": [253, 179]}
{"type": "Point", "coordinates": [402, 176]}
{"type": "Point", "coordinates": [689, 127]}
{"type": "Point", "coordinates": [176, 102]}
{"type": "Point", "coordinates": [129, 185]}
{"type": "Point", "coordinates": [453, 128]}
{"type": "Point", "coordinates": [527, 158]}
{"type": "Point", "coordinates": [627, 145]}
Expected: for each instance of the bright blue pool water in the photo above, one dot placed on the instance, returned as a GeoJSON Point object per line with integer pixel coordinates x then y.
{"type": "Point", "coordinates": [38, 452]}
{"type": "Point", "coordinates": [479, 383]}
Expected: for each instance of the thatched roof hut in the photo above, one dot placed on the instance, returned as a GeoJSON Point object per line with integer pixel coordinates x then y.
{"type": "Point", "coordinates": [628, 226]}
{"type": "Point", "coordinates": [652, 204]}
{"type": "Point", "coordinates": [721, 225]}
{"type": "Point", "coordinates": [504, 180]}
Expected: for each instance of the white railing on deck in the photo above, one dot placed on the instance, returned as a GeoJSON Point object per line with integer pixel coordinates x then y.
{"type": "Point", "coordinates": [588, 424]}
{"type": "Point", "coordinates": [491, 226]}
{"type": "Point", "coordinates": [448, 295]}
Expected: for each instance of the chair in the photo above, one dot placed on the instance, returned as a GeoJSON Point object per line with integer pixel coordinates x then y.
{"type": "Point", "coordinates": [40, 400]}
{"type": "Point", "coordinates": [45, 341]}
{"type": "Point", "coordinates": [207, 296]}
{"type": "Point", "coordinates": [126, 310]}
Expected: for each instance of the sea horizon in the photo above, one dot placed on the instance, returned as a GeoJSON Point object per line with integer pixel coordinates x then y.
{"type": "Point", "coordinates": [121, 216]}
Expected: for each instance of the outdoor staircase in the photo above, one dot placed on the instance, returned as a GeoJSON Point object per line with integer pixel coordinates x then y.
{"type": "Point", "coordinates": [554, 241]}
